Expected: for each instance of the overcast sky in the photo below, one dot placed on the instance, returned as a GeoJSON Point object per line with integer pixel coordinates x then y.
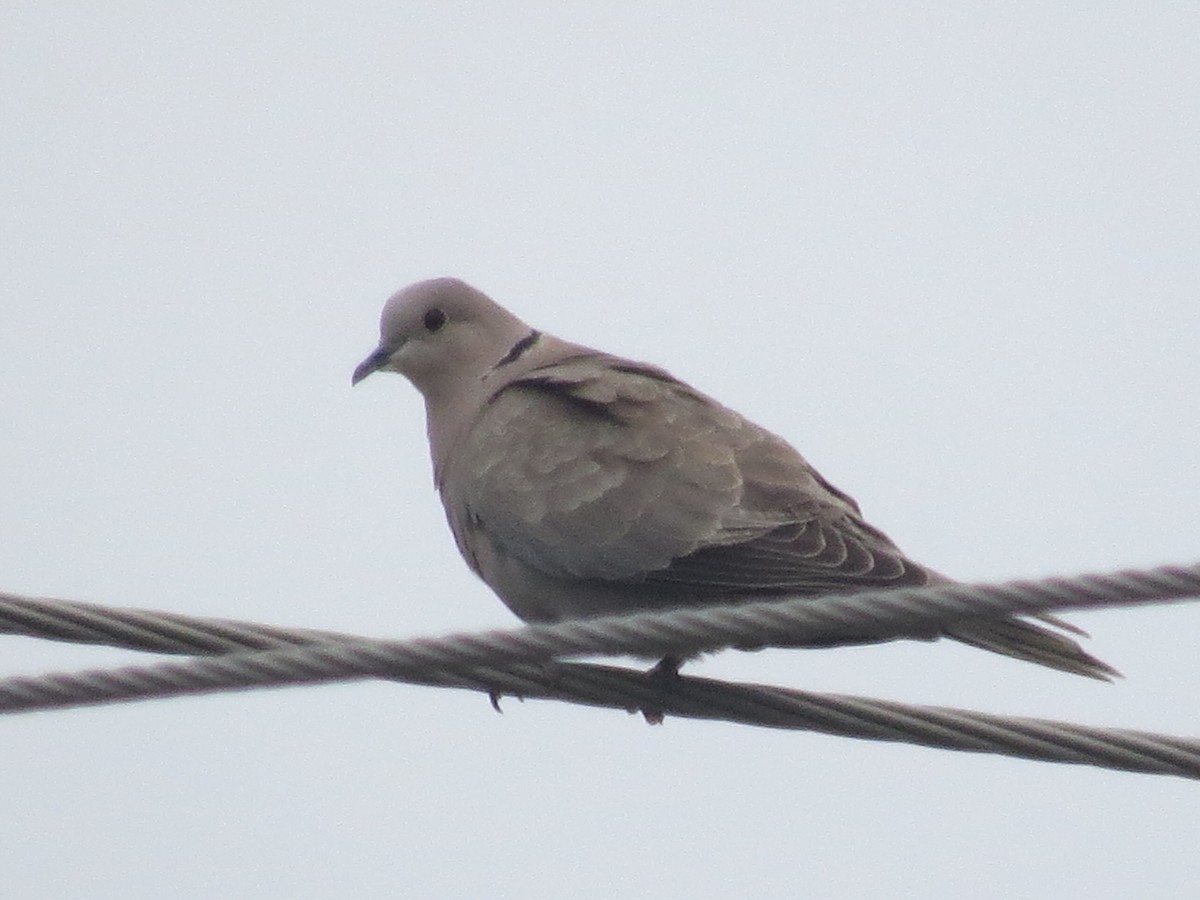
{"type": "Point", "coordinates": [951, 252]}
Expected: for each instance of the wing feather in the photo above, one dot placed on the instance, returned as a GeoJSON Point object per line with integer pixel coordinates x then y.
{"type": "Point", "coordinates": [605, 470]}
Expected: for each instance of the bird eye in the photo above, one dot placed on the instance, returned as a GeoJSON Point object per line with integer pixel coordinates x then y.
{"type": "Point", "coordinates": [434, 319]}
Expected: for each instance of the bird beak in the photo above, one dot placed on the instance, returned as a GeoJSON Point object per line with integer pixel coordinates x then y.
{"type": "Point", "coordinates": [372, 363]}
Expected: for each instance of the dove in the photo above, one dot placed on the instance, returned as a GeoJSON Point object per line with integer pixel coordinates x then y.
{"type": "Point", "coordinates": [577, 483]}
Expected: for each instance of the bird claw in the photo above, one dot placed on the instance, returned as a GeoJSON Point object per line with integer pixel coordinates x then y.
{"type": "Point", "coordinates": [665, 671]}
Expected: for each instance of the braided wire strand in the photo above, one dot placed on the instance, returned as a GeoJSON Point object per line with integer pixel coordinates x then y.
{"type": "Point", "coordinates": [518, 662]}
{"type": "Point", "coordinates": [690, 697]}
{"type": "Point", "coordinates": [829, 619]}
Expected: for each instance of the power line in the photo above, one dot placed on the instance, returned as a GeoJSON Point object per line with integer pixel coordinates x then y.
{"type": "Point", "coordinates": [528, 662]}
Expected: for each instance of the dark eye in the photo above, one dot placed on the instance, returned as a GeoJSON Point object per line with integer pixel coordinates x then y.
{"type": "Point", "coordinates": [434, 319]}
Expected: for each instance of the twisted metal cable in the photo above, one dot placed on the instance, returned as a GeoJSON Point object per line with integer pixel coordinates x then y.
{"type": "Point", "coordinates": [835, 618]}
{"type": "Point", "coordinates": [774, 707]}
{"type": "Point", "coordinates": [493, 663]}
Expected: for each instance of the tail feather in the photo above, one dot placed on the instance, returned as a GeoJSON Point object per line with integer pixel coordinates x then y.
{"type": "Point", "coordinates": [1061, 624]}
{"type": "Point", "coordinates": [1024, 640]}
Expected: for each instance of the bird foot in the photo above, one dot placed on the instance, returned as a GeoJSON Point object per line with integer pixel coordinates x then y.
{"type": "Point", "coordinates": [665, 671]}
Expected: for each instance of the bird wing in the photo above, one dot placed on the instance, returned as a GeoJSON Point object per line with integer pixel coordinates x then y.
{"type": "Point", "coordinates": [600, 471]}
{"type": "Point", "coordinates": [597, 468]}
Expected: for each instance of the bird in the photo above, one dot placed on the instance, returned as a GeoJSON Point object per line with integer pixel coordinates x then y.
{"type": "Point", "coordinates": [578, 484]}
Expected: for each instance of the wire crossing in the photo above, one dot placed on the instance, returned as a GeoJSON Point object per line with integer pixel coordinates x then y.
{"type": "Point", "coordinates": [530, 662]}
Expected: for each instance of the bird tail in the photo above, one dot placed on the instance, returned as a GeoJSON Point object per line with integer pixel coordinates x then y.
{"type": "Point", "coordinates": [1022, 639]}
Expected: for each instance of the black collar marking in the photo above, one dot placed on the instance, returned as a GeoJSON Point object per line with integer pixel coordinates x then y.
{"type": "Point", "coordinates": [519, 348]}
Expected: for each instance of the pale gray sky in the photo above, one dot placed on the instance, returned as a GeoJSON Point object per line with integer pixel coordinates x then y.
{"type": "Point", "coordinates": [952, 253]}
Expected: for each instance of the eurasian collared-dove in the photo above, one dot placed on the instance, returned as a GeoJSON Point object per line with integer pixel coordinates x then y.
{"type": "Point", "coordinates": [578, 483]}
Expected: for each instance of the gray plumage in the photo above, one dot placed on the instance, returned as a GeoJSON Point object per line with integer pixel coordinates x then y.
{"type": "Point", "coordinates": [578, 483]}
